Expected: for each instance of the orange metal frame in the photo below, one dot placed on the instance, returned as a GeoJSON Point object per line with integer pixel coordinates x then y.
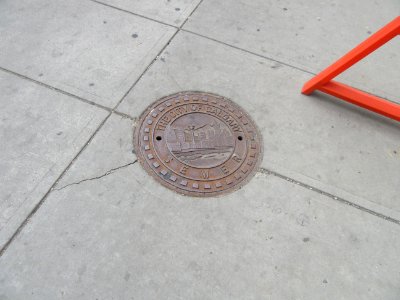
{"type": "Point", "coordinates": [323, 81]}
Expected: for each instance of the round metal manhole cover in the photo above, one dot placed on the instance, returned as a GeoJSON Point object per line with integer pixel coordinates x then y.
{"type": "Point", "coordinates": [198, 144]}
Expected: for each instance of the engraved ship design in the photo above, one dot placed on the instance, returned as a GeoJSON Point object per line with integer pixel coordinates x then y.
{"type": "Point", "coordinates": [208, 141]}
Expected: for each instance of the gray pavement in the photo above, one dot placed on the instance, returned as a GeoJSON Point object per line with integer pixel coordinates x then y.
{"type": "Point", "coordinates": [81, 47]}
{"type": "Point", "coordinates": [41, 132]}
{"type": "Point", "coordinates": [80, 218]}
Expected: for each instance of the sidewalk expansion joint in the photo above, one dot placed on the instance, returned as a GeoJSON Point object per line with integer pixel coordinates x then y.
{"type": "Point", "coordinates": [111, 171]}
{"type": "Point", "coordinates": [124, 115]}
{"type": "Point", "coordinates": [180, 28]}
{"type": "Point", "coordinates": [43, 199]}
{"type": "Point", "coordinates": [57, 90]}
{"type": "Point", "coordinates": [132, 13]}
{"type": "Point", "coordinates": [111, 111]}
{"type": "Point", "coordinates": [249, 52]}
{"type": "Point", "coordinates": [336, 198]}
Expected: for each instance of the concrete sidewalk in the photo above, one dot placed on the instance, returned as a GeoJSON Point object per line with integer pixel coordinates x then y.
{"type": "Point", "coordinates": [80, 218]}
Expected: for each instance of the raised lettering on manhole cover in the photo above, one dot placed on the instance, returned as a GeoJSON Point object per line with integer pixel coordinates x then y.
{"type": "Point", "coordinates": [198, 144]}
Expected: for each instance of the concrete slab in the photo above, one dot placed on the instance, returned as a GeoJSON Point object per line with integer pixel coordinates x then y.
{"type": "Point", "coordinates": [310, 34]}
{"type": "Point", "coordinates": [81, 47]}
{"type": "Point", "coordinates": [338, 148]}
{"type": "Point", "coordinates": [123, 237]}
{"type": "Point", "coordinates": [40, 131]}
{"type": "Point", "coordinates": [172, 12]}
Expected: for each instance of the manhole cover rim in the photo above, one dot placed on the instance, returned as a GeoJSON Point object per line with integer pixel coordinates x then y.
{"type": "Point", "coordinates": [182, 191]}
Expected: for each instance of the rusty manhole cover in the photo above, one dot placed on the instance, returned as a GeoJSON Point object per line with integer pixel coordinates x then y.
{"type": "Point", "coordinates": [198, 144]}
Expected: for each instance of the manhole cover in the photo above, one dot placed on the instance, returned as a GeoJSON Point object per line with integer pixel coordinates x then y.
{"type": "Point", "coordinates": [198, 144]}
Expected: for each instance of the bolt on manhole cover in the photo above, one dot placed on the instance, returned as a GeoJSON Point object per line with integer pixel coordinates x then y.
{"type": "Point", "coordinates": [198, 144]}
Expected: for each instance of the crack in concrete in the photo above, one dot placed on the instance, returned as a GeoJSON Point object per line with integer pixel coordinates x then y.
{"type": "Point", "coordinates": [96, 177]}
{"type": "Point", "coordinates": [40, 203]}
{"type": "Point", "coordinates": [334, 197]}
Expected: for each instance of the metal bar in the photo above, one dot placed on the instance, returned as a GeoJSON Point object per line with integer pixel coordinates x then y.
{"type": "Point", "coordinates": [360, 98]}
